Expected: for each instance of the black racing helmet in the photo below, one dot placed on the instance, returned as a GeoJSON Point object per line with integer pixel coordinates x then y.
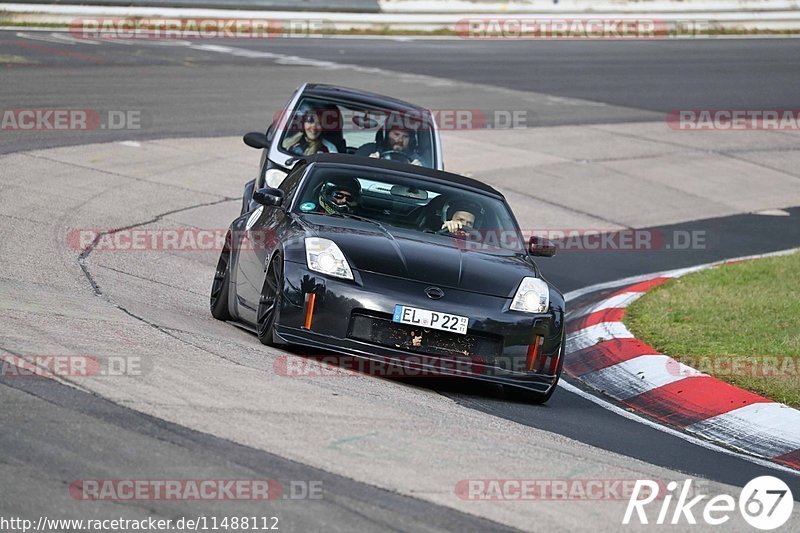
{"type": "Point", "coordinates": [335, 190]}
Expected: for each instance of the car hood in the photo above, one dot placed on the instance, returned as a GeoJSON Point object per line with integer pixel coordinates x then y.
{"type": "Point", "coordinates": [428, 258]}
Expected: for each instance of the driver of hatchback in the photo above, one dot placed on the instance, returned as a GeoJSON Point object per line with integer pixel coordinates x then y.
{"type": "Point", "coordinates": [401, 141]}
{"type": "Point", "coordinates": [398, 139]}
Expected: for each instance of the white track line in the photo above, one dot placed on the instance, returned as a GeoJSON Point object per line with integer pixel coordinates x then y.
{"type": "Point", "coordinates": [771, 429]}
{"type": "Point", "coordinates": [589, 336]}
{"type": "Point", "coordinates": [618, 301]}
{"type": "Point", "coordinates": [636, 376]}
{"type": "Point", "coordinates": [569, 387]}
{"type": "Point", "coordinates": [431, 37]}
{"type": "Point", "coordinates": [58, 38]}
{"type": "Point", "coordinates": [667, 274]}
{"type": "Point", "coordinates": [564, 384]}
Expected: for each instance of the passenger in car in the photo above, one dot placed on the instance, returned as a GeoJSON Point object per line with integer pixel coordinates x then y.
{"type": "Point", "coordinates": [310, 141]}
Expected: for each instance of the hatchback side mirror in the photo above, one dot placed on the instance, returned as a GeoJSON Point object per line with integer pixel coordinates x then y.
{"type": "Point", "coordinates": [268, 196]}
{"type": "Point", "coordinates": [256, 139]}
{"type": "Point", "coordinates": [541, 247]}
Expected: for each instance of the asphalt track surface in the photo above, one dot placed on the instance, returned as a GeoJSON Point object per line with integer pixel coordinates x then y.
{"type": "Point", "coordinates": [202, 93]}
{"type": "Point", "coordinates": [193, 92]}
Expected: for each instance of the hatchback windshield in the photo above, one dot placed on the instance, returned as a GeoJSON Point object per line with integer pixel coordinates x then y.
{"type": "Point", "coordinates": [409, 202]}
{"type": "Point", "coordinates": [326, 126]}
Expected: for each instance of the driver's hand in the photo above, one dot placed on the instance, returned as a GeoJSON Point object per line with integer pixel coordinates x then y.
{"type": "Point", "coordinates": [375, 154]}
{"type": "Point", "coordinates": [452, 226]}
{"type": "Point", "coordinates": [417, 162]}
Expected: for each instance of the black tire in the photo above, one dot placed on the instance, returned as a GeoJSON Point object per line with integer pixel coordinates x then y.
{"type": "Point", "coordinates": [270, 302]}
{"type": "Point", "coordinates": [220, 287]}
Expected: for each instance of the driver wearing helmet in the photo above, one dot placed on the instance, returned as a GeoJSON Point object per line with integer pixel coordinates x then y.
{"type": "Point", "coordinates": [340, 195]}
{"type": "Point", "coordinates": [399, 139]}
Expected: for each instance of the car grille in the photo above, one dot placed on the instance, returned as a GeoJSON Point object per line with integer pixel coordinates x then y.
{"type": "Point", "coordinates": [383, 332]}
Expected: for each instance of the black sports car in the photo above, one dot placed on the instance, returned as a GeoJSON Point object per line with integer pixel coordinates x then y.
{"type": "Point", "coordinates": [385, 261]}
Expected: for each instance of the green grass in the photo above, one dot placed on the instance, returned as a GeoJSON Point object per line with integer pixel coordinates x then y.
{"type": "Point", "coordinates": [745, 314]}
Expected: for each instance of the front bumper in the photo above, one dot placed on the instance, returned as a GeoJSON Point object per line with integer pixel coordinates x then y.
{"type": "Point", "coordinates": [496, 347]}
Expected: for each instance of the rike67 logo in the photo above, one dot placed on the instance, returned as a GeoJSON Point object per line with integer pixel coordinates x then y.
{"type": "Point", "coordinates": [765, 503]}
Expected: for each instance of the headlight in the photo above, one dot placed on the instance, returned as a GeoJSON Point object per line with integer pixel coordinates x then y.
{"type": "Point", "coordinates": [322, 255]}
{"type": "Point", "coordinates": [274, 177]}
{"type": "Point", "coordinates": [533, 296]}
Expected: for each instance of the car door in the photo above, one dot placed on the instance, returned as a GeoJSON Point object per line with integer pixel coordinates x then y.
{"type": "Point", "coordinates": [256, 245]}
{"type": "Point", "coordinates": [261, 236]}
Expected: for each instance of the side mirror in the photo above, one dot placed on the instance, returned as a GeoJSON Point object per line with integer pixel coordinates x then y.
{"type": "Point", "coordinates": [268, 196]}
{"type": "Point", "coordinates": [541, 247]}
{"type": "Point", "coordinates": [256, 139]}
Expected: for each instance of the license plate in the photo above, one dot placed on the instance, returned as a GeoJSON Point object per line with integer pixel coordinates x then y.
{"type": "Point", "coordinates": [430, 319]}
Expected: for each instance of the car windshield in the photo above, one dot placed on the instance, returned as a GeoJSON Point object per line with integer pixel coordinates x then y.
{"type": "Point", "coordinates": [405, 202]}
{"type": "Point", "coordinates": [317, 125]}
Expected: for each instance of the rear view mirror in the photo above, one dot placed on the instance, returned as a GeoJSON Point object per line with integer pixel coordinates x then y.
{"type": "Point", "coordinates": [256, 139]}
{"type": "Point", "coordinates": [364, 121]}
{"type": "Point", "coordinates": [268, 196]}
{"type": "Point", "coordinates": [541, 247]}
{"type": "Point", "coordinates": [409, 192]}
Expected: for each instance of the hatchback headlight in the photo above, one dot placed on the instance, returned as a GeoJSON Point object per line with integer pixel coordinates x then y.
{"type": "Point", "coordinates": [533, 296]}
{"type": "Point", "coordinates": [322, 255]}
{"type": "Point", "coordinates": [274, 177]}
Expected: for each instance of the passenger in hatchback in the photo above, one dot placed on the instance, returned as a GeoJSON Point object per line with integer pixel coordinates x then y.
{"type": "Point", "coordinates": [310, 141]}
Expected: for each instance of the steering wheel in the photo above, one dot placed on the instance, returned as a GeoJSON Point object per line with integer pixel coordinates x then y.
{"type": "Point", "coordinates": [390, 154]}
{"type": "Point", "coordinates": [462, 233]}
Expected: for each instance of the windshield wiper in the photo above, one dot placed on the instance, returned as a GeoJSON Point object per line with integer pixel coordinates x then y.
{"type": "Point", "coordinates": [349, 215]}
{"type": "Point", "coordinates": [360, 219]}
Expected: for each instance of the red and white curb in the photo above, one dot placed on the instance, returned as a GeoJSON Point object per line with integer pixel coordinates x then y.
{"type": "Point", "coordinates": [604, 355]}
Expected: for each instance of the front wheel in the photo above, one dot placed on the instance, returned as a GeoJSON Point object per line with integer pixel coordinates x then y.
{"type": "Point", "coordinates": [270, 302]}
{"type": "Point", "coordinates": [221, 284]}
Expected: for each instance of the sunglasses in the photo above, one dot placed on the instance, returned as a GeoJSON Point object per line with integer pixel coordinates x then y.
{"type": "Point", "coordinates": [311, 119]}
{"type": "Point", "coordinates": [337, 195]}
